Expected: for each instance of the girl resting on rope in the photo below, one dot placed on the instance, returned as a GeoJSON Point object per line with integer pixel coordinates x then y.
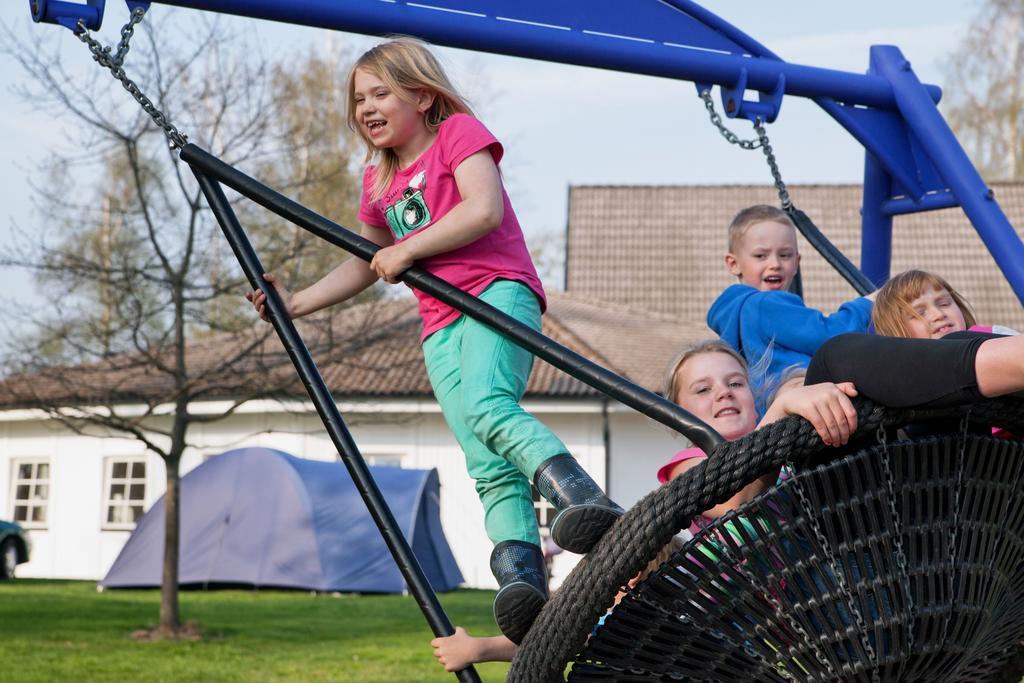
{"type": "Point", "coordinates": [434, 196]}
{"type": "Point", "coordinates": [935, 356]}
{"type": "Point", "coordinates": [921, 305]}
{"type": "Point", "coordinates": [709, 380]}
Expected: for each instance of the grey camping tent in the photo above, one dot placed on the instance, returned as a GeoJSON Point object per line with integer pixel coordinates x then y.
{"type": "Point", "coordinates": [261, 517]}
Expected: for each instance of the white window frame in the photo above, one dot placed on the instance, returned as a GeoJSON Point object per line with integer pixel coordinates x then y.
{"type": "Point", "coordinates": [385, 459]}
{"type": "Point", "coordinates": [544, 510]}
{"type": "Point", "coordinates": [32, 502]}
{"type": "Point", "coordinates": [124, 504]}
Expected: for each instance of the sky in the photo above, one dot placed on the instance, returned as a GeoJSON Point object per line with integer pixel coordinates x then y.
{"type": "Point", "coordinates": [566, 125]}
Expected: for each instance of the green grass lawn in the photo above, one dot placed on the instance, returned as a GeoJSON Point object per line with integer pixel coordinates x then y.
{"type": "Point", "coordinates": [66, 631]}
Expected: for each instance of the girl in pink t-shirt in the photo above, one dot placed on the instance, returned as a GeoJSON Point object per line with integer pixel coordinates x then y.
{"type": "Point", "coordinates": [432, 195]}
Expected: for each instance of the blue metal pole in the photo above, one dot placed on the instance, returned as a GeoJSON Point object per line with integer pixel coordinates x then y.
{"type": "Point", "coordinates": [478, 30]}
{"type": "Point", "coordinates": [939, 143]}
{"type": "Point", "coordinates": [712, 20]}
{"type": "Point", "coordinates": [929, 202]}
{"type": "Point", "coordinates": [876, 224]}
{"type": "Point", "coordinates": [68, 14]}
{"type": "Point", "coordinates": [843, 117]}
{"type": "Point", "coordinates": [574, 44]}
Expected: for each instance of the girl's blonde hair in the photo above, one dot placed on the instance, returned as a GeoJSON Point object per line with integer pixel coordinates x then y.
{"type": "Point", "coordinates": [892, 305]}
{"type": "Point", "coordinates": [771, 391]}
{"type": "Point", "coordinates": [671, 384]}
{"type": "Point", "coordinates": [405, 65]}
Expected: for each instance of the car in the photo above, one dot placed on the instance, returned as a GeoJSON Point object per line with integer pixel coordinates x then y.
{"type": "Point", "coordinates": [14, 548]}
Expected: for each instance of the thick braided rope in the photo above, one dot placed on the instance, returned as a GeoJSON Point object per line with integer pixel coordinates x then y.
{"type": "Point", "coordinates": [562, 627]}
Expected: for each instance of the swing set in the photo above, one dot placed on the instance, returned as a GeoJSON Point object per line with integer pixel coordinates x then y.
{"type": "Point", "coordinates": [883, 573]}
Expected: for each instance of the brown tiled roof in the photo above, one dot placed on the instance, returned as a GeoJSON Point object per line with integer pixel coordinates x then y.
{"type": "Point", "coordinates": [660, 248]}
{"type": "Point", "coordinates": [365, 351]}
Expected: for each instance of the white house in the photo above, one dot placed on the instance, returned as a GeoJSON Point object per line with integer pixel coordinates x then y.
{"type": "Point", "coordinates": [79, 495]}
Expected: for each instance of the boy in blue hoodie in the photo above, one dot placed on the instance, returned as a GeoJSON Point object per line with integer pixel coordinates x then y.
{"type": "Point", "coordinates": [759, 317]}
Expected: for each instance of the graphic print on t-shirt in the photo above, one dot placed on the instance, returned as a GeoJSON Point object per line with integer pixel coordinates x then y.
{"type": "Point", "coordinates": [410, 212]}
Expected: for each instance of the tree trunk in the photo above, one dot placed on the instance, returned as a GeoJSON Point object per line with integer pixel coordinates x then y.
{"type": "Point", "coordinates": [170, 617]}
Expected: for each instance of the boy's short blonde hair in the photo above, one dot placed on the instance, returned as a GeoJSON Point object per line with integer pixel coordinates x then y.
{"type": "Point", "coordinates": [892, 305]}
{"type": "Point", "coordinates": [759, 213]}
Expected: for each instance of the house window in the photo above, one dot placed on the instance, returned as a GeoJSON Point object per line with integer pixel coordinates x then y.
{"type": "Point", "coordinates": [545, 511]}
{"type": "Point", "coordinates": [31, 492]}
{"type": "Point", "coordinates": [383, 459]}
{"type": "Point", "coordinates": [125, 492]}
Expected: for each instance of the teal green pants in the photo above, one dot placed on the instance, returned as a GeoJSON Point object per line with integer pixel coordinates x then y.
{"type": "Point", "coordinates": [479, 377]}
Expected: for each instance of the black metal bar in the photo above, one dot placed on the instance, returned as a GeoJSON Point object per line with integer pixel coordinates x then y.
{"type": "Point", "coordinates": [797, 285]}
{"type": "Point", "coordinates": [335, 424]}
{"type": "Point", "coordinates": [605, 381]}
{"type": "Point", "coordinates": [836, 259]}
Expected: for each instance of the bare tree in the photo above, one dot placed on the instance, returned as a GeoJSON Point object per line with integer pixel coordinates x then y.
{"type": "Point", "coordinates": [547, 249]}
{"type": "Point", "coordinates": [985, 90]}
{"type": "Point", "coordinates": [147, 315]}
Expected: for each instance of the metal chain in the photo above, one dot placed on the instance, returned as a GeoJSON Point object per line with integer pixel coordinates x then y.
{"type": "Point", "coordinates": [127, 31]}
{"type": "Point", "coordinates": [737, 563]}
{"type": "Point", "coordinates": [638, 595]}
{"type": "Point", "coordinates": [781, 614]}
{"type": "Point", "coordinates": [716, 120]}
{"type": "Point", "coordinates": [761, 142]}
{"type": "Point", "coordinates": [837, 573]}
{"type": "Point", "coordinates": [103, 57]}
{"type": "Point", "coordinates": [769, 156]}
{"type": "Point", "coordinates": [901, 558]}
{"type": "Point", "coordinates": [964, 426]}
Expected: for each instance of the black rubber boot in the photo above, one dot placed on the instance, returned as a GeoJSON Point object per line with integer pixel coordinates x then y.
{"type": "Point", "coordinates": [523, 587]}
{"type": "Point", "coordinates": [584, 511]}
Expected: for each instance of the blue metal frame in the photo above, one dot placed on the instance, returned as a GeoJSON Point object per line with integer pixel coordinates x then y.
{"type": "Point", "coordinates": [931, 132]}
{"type": "Point", "coordinates": [68, 14]}
{"type": "Point", "coordinates": [875, 223]}
{"type": "Point", "coordinates": [913, 160]}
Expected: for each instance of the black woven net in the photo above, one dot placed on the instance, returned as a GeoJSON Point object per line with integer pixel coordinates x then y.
{"type": "Point", "coordinates": [901, 562]}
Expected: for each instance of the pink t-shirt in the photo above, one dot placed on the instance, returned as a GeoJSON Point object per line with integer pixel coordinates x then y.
{"type": "Point", "coordinates": [700, 521]}
{"type": "Point", "coordinates": [691, 453]}
{"type": "Point", "coordinates": [997, 432]}
{"type": "Point", "coordinates": [424, 192]}
{"type": "Point", "coordinates": [682, 456]}
{"type": "Point", "coordinates": [994, 329]}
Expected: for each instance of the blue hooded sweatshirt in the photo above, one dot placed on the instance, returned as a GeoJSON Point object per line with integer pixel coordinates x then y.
{"type": "Point", "coordinates": [754, 322]}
